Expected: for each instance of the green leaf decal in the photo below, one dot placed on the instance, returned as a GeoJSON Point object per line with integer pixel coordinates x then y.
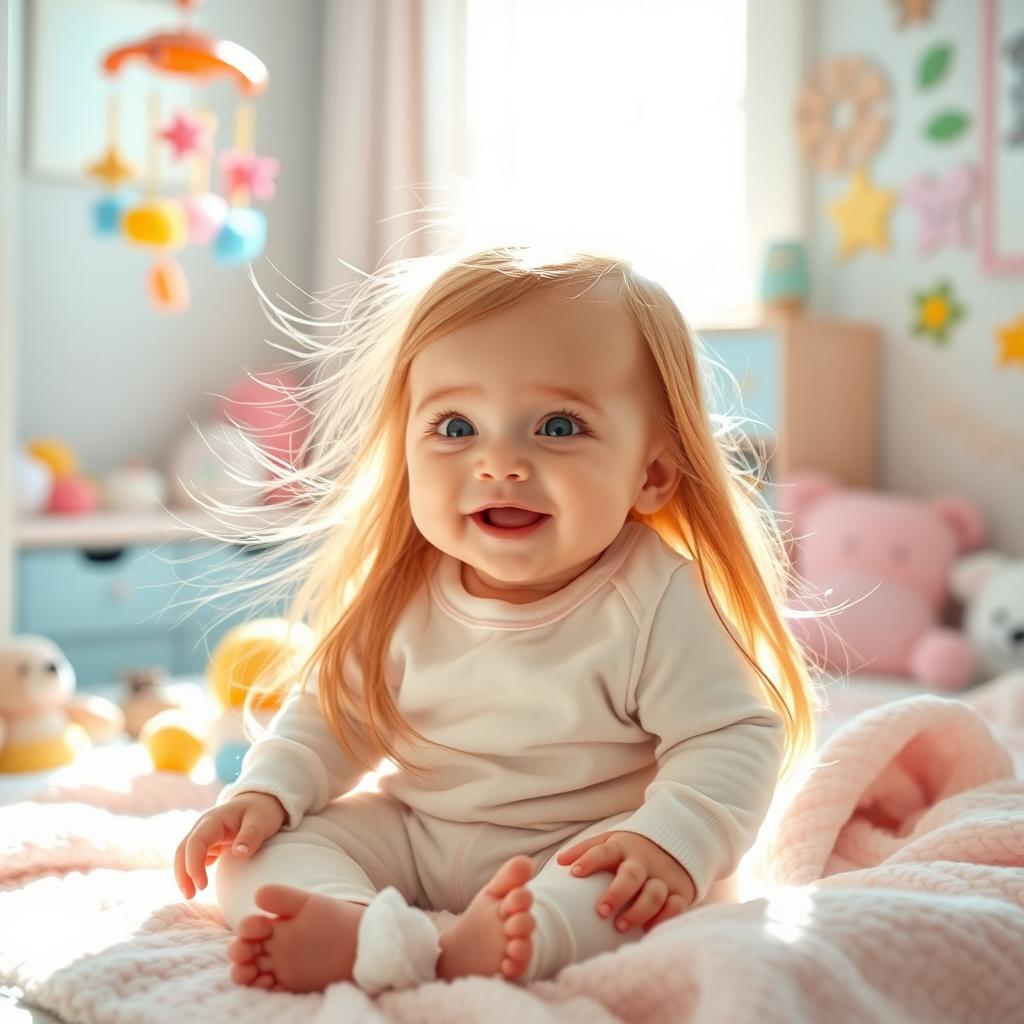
{"type": "Point", "coordinates": [934, 66]}
{"type": "Point", "coordinates": [946, 126]}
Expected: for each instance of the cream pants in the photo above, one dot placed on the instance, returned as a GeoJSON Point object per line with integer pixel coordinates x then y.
{"type": "Point", "coordinates": [365, 841]}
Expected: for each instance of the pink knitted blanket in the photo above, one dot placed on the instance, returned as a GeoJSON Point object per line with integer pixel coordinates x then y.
{"type": "Point", "coordinates": [889, 886]}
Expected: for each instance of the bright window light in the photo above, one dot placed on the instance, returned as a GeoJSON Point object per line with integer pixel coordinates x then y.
{"type": "Point", "coordinates": [618, 126]}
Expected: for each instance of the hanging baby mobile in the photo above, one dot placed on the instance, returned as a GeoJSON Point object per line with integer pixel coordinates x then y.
{"type": "Point", "coordinates": [225, 220]}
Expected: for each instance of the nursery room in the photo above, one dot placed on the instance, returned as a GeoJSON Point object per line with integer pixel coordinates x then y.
{"type": "Point", "coordinates": [290, 296]}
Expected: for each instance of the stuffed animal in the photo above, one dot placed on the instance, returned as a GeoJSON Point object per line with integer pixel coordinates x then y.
{"type": "Point", "coordinates": [880, 564]}
{"type": "Point", "coordinates": [991, 586]}
{"type": "Point", "coordinates": [176, 740]}
{"type": "Point", "coordinates": [43, 723]}
{"type": "Point", "coordinates": [146, 695]}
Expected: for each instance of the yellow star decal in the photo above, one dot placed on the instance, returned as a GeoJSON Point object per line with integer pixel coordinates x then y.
{"type": "Point", "coordinates": [111, 170]}
{"type": "Point", "coordinates": [862, 215]}
{"type": "Point", "coordinates": [1011, 338]}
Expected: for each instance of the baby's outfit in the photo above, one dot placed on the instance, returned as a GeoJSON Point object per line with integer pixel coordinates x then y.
{"type": "Point", "coordinates": [618, 703]}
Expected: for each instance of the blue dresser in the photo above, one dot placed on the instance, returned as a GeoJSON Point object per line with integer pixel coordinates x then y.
{"type": "Point", "coordinates": [112, 609]}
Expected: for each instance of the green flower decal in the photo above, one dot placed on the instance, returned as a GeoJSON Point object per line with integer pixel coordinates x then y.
{"type": "Point", "coordinates": [937, 311]}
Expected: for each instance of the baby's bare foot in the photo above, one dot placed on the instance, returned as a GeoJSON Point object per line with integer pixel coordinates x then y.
{"type": "Point", "coordinates": [492, 935]}
{"type": "Point", "coordinates": [308, 945]}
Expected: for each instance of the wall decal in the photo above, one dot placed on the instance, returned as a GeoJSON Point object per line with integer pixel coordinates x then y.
{"type": "Point", "coordinates": [989, 441]}
{"type": "Point", "coordinates": [1011, 340]}
{"type": "Point", "coordinates": [840, 115]}
{"type": "Point", "coordinates": [912, 11]}
{"type": "Point", "coordinates": [934, 65]}
{"type": "Point", "coordinates": [862, 215]}
{"type": "Point", "coordinates": [943, 207]}
{"type": "Point", "coordinates": [937, 311]}
{"type": "Point", "coordinates": [947, 126]}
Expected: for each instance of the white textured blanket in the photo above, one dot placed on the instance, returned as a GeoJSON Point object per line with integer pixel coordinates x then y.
{"type": "Point", "coordinates": [889, 887]}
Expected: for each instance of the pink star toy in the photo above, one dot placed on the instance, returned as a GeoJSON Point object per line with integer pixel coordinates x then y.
{"type": "Point", "coordinates": [942, 208]}
{"type": "Point", "coordinates": [248, 172]}
{"type": "Point", "coordinates": [186, 134]}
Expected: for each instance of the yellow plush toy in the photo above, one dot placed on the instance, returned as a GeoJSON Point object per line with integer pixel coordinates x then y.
{"type": "Point", "coordinates": [43, 723]}
{"type": "Point", "coordinates": [245, 654]}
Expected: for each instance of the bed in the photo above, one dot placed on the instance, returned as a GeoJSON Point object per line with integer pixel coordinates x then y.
{"type": "Point", "coordinates": [887, 884]}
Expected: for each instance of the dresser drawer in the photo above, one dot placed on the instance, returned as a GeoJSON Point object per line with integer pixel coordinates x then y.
{"type": "Point", "coordinates": [753, 358]}
{"type": "Point", "coordinates": [73, 591]}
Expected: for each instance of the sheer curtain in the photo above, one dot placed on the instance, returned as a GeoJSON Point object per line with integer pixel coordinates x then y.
{"type": "Point", "coordinates": [392, 126]}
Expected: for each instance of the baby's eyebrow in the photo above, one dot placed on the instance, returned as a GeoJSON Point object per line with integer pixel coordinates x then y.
{"type": "Point", "coordinates": [570, 394]}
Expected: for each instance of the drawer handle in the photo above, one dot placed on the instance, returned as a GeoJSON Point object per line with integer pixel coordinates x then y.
{"type": "Point", "coordinates": [102, 554]}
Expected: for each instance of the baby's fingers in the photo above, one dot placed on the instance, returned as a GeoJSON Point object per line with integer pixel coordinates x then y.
{"type": "Point", "coordinates": [205, 836]}
{"type": "Point", "coordinates": [648, 903]}
{"type": "Point", "coordinates": [604, 857]}
{"type": "Point", "coordinates": [628, 881]}
{"type": "Point", "coordinates": [188, 890]}
{"type": "Point", "coordinates": [674, 906]}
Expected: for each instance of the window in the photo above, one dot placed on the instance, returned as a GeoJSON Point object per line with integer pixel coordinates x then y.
{"type": "Point", "coordinates": [615, 125]}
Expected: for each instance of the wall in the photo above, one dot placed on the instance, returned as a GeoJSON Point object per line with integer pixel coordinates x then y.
{"type": "Point", "coordinates": [925, 385]}
{"type": "Point", "coordinates": [97, 364]}
{"type": "Point", "coordinates": [8, 29]}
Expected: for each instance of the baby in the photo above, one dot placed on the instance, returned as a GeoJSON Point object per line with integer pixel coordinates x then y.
{"type": "Point", "coordinates": [541, 571]}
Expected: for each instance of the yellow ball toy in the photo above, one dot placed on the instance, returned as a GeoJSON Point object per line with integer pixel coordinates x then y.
{"type": "Point", "coordinates": [175, 741]}
{"type": "Point", "coordinates": [248, 652]}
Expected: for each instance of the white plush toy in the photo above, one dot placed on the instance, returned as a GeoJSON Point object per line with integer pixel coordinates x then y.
{"type": "Point", "coordinates": [991, 585]}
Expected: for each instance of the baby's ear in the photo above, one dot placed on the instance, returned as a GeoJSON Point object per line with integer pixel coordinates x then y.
{"type": "Point", "coordinates": [968, 575]}
{"type": "Point", "coordinates": [796, 493]}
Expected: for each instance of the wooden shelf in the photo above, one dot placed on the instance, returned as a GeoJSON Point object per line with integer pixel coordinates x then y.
{"type": "Point", "coordinates": [121, 529]}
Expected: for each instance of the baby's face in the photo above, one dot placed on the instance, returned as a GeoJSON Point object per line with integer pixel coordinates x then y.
{"type": "Point", "coordinates": [506, 439]}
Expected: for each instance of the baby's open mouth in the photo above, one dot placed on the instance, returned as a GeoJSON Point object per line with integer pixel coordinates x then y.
{"type": "Point", "coordinates": [508, 518]}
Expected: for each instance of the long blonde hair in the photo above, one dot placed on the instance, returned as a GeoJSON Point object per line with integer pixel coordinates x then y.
{"type": "Point", "coordinates": [352, 545]}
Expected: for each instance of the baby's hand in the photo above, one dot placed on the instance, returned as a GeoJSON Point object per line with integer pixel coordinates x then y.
{"type": "Point", "coordinates": [662, 886]}
{"type": "Point", "coordinates": [246, 819]}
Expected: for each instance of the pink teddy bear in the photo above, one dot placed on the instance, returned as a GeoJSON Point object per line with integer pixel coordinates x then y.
{"type": "Point", "coordinates": [882, 562]}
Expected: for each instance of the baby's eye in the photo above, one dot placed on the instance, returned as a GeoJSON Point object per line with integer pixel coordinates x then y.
{"type": "Point", "coordinates": [566, 416]}
{"type": "Point", "coordinates": [445, 418]}
{"type": "Point", "coordinates": [565, 431]}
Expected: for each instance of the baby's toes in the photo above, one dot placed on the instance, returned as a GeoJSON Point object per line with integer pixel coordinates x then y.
{"type": "Point", "coordinates": [265, 981]}
{"type": "Point", "coordinates": [516, 901]}
{"type": "Point", "coordinates": [242, 952]}
{"type": "Point", "coordinates": [519, 950]}
{"type": "Point", "coordinates": [255, 927]}
{"type": "Point", "coordinates": [244, 974]}
{"type": "Point", "coordinates": [518, 926]}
